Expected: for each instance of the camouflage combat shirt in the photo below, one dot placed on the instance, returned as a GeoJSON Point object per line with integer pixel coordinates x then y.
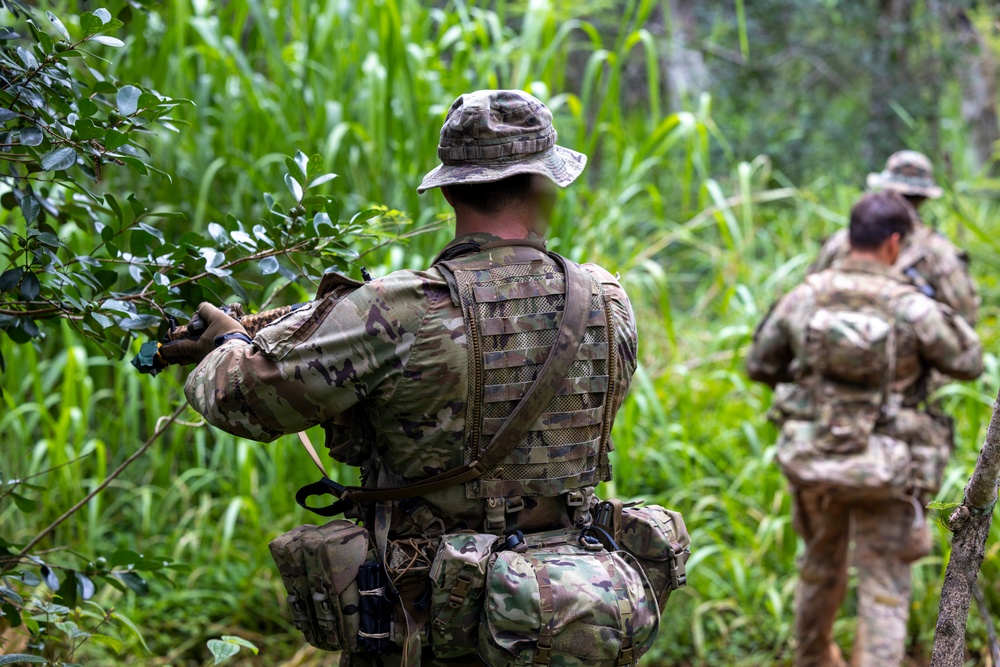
{"type": "Point", "coordinates": [395, 351]}
{"type": "Point", "coordinates": [928, 334]}
{"type": "Point", "coordinates": [927, 259]}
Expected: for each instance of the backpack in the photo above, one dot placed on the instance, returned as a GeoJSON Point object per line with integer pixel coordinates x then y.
{"type": "Point", "coordinates": [848, 365]}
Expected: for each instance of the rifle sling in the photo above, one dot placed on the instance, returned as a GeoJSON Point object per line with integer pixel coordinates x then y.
{"type": "Point", "coordinates": [525, 414]}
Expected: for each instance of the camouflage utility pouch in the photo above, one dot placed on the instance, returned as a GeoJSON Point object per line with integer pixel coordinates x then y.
{"type": "Point", "coordinates": [457, 578]}
{"type": "Point", "coordinates": [659, 540]}
{"type": "Point", "coordinates": [319, 567]}
{"type": "Point", "coordinates": [562, 598]}
{"type": "Point", "coordinates": [879, 469]}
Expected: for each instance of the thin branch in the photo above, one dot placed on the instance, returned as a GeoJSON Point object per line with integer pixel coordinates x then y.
{"type": "Point", "coordinates": [161, 427]}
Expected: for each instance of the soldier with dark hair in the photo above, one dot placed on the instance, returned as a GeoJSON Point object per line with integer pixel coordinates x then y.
{"type": "Point", "coordinates": [418, 374]}
{"type": "Point", "coordinates": [928, 259]}
{"type": "Point", "coordinates": [848, 352]}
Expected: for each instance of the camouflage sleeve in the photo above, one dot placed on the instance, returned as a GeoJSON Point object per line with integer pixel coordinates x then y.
{"type": "Point", "coordinates": [947, 342]}
{"type": "Point", "coordinates": [772, 350]}
{"type": "Point", "coordinates": [312, 364]}
{"type": "Point", "coordinates": [954, 286]}
{"type": "Point", "coordinates": [835, 248]}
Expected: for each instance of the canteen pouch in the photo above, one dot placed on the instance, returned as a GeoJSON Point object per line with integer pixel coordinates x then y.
{"type": "Point", "coordinates": [659, 540]}
{"type": "Point", "coordinates": [319, 567]}
{"type": "Point", "coordinates": [565, 602]}
{"type": "Point", "coordinates": [457, 576]}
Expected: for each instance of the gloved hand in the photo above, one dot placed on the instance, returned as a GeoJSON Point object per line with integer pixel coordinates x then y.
{"type": "Point", "coordinates": [219, 327]}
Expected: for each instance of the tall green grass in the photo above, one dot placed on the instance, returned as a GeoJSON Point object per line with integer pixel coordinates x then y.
{"type": "Point", "coordinates": [704, 241]}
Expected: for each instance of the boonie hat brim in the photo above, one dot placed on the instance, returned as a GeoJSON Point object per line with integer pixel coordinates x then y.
{"type": "Point", "coordinates": [561, 165]}
{"type": "Point", "coordinates": [918, 187]}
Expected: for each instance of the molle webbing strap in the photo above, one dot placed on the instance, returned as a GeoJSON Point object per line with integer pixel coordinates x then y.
{"type": "Point", "coordinates": [548, 382]}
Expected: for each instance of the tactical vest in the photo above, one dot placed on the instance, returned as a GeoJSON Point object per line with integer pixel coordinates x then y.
{"type": "Point", "coordinates": [512, 305]}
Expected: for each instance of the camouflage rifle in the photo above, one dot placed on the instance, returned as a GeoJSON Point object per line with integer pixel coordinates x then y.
{"type": "Point", "coordinates": [150, 361]}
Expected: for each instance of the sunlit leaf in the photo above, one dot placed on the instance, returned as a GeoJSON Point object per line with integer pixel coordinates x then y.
{"type": "Point", "coordinates": [108, 41]}
{"type": "Point", "coordinates": [30, 136]}
{"type": "Point", "coordinates": [58, 25]}
{"type": "Point", "coordinates": [222, 651]}
{"type": "Point", "coordinates": [128, 100]}
{"type": "Point", "coordinates": [268, 265]}
{"type": "Point", "coordinates": [61, 158]}
{"type": "Point", "coordinates": [293, 187]}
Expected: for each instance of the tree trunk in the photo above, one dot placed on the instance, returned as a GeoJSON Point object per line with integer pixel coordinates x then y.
{"type": "Point", "coordinates": [971, 523]}
{"type": "Point", "coordinates": [977, 71]}
{"type": "Point", "coordinates": [687, 75]}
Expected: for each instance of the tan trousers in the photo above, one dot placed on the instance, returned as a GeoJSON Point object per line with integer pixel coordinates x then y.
{"type": "Point", "coordinates": [885, 544]}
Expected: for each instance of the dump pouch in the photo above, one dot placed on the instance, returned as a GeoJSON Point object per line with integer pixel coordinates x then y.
{"type": "Point", "coordinates": [880, 468]}
{"type": "Point", "coordinates": [319, 567]}
{"type": "Point", "coordinates": [565, 600]}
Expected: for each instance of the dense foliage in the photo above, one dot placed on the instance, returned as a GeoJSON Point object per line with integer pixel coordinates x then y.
{"type": "Point", "coordinates": [679, 197]}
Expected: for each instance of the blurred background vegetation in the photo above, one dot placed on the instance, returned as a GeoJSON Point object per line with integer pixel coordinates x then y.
{"type": "Point", "coordinates": [726, 140]}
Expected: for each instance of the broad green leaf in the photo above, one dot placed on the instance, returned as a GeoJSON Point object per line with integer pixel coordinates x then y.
{"type": "Point", "coordinates": [12, 614]}
{"type": "Point", "coordinates": [113, 203]}
{"type": "Point", "coordinates": [114, 139]}
{"type": "Point", "coordinates": [85, 587]}
{"type": "Point", "coordinates": [114, 644]}
{"type": "Point", "coordinates": [316, 165]}
{"type": "Point", "coordinates": [320, 180]}
{"type": "Point", "coordinates": [124, 557]}
{"type": "Point", "coordinates": [143, 321]}
{"type": "Point", "coordinates": [61, 158]}
{"type": "Point", "coordinates": [30, 208]}
{"type": "Point", "coordinates": [30, 287]}
{"type": "Point", "coordinates": [128, 100]}
{"type": "Point", "coordinates": [218, 232]}
{"type": "Point", "coordinates": [133, 580]}
{"type": "Point", "coordinates": [23, 503]}
{"type": "Point", "coordinates": [138, 208]}
{"type": "Point", "coordinates": [90, 24]}
{"type": "Point", "coordinates": [303, 162]}
{"type": "Point", "coordinates": [58, 25]}
{"type": "Point", "coordinates": [268, 265]}
{"type": "Point", "coordinates": [107, 41]}
{"type": "Point", "coordinates": [149, 229]}
{"type": "Point", "coordinates": [50, 578]}
{"type": "Point", "coordinates": [293, 187]}
{"type": "Point", "coordinates": [103, 14]}
{"type": "Point", "coordinates": [30, 136]}
{"type": "Point", "coordinates": [7, 114]}
{"type": "Point", "coordinates": [10, 278]}
{"type": "Point", "coordinates": [10, 594]}
{"type": "Point", "coordinates": [295, 169]}
{"type": "Point", "coordinates": [222, 651]}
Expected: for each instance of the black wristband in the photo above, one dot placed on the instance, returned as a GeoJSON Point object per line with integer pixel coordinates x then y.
{"type": "Point", "coordinates": [219, 340]}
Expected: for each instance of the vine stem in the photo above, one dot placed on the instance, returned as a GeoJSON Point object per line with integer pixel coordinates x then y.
{"type": "Point", "coordinates": [161, 427]}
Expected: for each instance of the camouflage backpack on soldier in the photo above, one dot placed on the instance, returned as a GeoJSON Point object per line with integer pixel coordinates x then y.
{"type": "Point", "coordinates": [849, 364]}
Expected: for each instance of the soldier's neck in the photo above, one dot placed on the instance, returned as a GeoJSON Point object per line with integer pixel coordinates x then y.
{"type": "Point", "coordinates": [508, 224]}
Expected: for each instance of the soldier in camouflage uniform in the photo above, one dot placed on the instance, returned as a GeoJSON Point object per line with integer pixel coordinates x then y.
{"type": "Point", "coordinates": [927, 258]}
{"type": "Point", "coordinates": [887, 535]}
{"type": "Point", "coordinates": [392, 362]}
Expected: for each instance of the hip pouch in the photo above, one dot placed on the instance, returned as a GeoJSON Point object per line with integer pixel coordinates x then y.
{"type": "Point", "coordinates": [659, 540]}
{"type": "Point", "coordinates": [561, 598]}
{"type": "Point", "coordinates": [320, 568]}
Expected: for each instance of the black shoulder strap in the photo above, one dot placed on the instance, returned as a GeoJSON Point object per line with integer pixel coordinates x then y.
{"type": "Point", "coordinates": [525, 414]}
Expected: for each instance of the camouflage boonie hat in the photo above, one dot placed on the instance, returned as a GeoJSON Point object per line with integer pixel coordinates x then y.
{"type": "Point", "coordinates": [492, 134]}
{"type": "Point", "coordinates": [908, 173]}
